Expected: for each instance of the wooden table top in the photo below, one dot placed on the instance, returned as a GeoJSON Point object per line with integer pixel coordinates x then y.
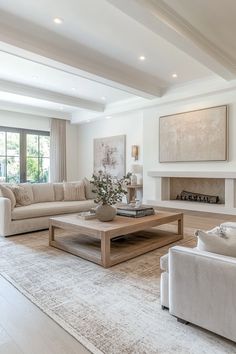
{"type": "Point", "coordinates": [119, 222]}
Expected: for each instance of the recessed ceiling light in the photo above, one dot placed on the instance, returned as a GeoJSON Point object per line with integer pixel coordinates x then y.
{"type": "Point", "coordinates": [61, 108]}
{"type": "Point", "coordinates": [103, 98]}
{"type": "Point", "coordinates": [73, 88]}
{"type": "Point", "coordinates": [35, 77]}
{"type": "Point", "coordinates": [58, 20]}
{"type": "Point", "coordinates": [108, 117]}
{"type": "Point", "coordinates": [142, 58]}
{"type": "Point", "coordinates": [174, 76]}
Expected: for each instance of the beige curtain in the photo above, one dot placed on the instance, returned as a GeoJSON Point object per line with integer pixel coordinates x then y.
{"type": "Point", "coordinates": [58, 150]}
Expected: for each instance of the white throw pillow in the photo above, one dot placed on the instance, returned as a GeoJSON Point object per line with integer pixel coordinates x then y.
{"type": "Point", "coordinates": [74, 191]}
{"type": "Point", "coordinates": [217, 241]}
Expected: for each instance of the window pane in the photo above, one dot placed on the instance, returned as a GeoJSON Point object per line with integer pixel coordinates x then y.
{"type": "Point", "coordinates": [32, 169]}
{"type": "Point", "coordinates": [2, 143]}
{"type": "Point", "coordinates": [13, 144]}
{"type": "Point", "coordinates": [32, 145]}
{"type": "Point", "coordinates": [43, 170]}
{"type": "Point", "coordinates": [44, 146]}
{"type": "Point", "coordinates": [2, 169]}
{"type": "Point", "coordinates": [13, 170]}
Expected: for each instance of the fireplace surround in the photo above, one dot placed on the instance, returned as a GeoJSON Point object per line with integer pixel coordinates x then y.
{"type": "Point", "coordinates": [169, 184]}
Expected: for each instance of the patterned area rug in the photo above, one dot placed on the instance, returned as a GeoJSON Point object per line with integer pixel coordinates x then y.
{"type": "Point", "coordinates": [111, 311]}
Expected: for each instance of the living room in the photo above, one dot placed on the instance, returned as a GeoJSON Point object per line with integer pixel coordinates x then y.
{"type": "Point", "coordinates": [117, 177]}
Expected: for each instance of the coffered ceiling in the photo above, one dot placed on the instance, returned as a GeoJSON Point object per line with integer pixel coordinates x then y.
{"type": "Point", "coordinates": [106, 55]}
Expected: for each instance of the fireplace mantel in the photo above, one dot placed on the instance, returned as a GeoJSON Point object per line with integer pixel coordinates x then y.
{"type": "Point", "coordinates": [162, 196]}
{"type": "Point", "coordinates": [193, 174]}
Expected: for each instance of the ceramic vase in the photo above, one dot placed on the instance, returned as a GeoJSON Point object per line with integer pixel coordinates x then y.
{"type": "Point", "coordinates": [105, 212]}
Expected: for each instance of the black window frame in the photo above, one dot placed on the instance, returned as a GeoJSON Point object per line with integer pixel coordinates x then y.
{"type": "Point", "coordinates": [23, 147]}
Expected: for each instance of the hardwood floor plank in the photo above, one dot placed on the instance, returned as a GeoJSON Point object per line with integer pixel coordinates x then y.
{"type": "Point", "coordinates": [32, 330]}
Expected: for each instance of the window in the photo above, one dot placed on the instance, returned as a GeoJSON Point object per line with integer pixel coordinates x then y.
{"type": "Point", "coordinates": [24, 155]}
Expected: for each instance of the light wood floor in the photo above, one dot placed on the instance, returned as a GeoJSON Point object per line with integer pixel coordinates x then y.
{"type": "Point", "coordinates": [25, 329]}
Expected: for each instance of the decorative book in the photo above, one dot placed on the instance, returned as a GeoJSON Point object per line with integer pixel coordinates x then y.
{"type": "Point", "coordinates": [135, 212]}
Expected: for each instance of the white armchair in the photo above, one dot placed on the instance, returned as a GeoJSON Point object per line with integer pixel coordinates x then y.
{"type": "Point", "coordinates": [200, 287]}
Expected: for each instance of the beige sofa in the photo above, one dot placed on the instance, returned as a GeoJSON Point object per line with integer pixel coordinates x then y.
{"type": "Point", "coordinates": [47, 199]}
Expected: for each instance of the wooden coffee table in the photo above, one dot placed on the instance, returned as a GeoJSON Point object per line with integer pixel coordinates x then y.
{"type": "Point", "coordinates": [139, 237]}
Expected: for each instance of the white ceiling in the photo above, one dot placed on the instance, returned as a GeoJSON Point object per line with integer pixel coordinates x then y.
{"type": "Point", "coordinates": [90, 63]}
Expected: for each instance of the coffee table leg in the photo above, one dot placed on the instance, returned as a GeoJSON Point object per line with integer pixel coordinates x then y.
{"type": "Point", "coordinates": [51, 234]}
{"type": "Point", "coordinates": [181, 226]}
{"type": "Point", "coordinates": [105, 251]}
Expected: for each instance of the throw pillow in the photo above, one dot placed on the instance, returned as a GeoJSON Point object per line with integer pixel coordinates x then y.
{"type": "Point", "coordinates": [43, 192]}
{"type": "Point", "coordinates": [22, 196]}
{"type": "Point", "coordinates": [89, 189]}
{"type": "Point", "coordinates": [7, 193]}
{"type": "Point", "coordinates": [58, 191]}
{"type": "Point", "coordinates": [74, 191]}
{"type": "Point", "coordinates": [219, 242]}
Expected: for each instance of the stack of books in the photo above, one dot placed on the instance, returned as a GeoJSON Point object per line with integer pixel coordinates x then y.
{"type": "Point", "coordinates": [135, 212]}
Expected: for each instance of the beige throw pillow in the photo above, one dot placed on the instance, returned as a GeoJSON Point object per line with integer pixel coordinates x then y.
{"type": "Point", "coordinates": [7, 193]}
{"type": "Point", "coordinates": [74, 190]}
{"type": "Point", "coordinates": [58, 191]}
{"type": "Point", "coordinates": [22, 196]}
{"type": "Point", "coordinates": [89, 189]}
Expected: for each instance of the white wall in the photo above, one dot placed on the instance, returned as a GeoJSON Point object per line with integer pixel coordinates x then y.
{"type": "Point", "coordinates": [24, 121]}
{"type": "Point", "coordinates": [151, 139]}
{"type": "Point", "coordinates": [129, 124]}
{"type": "Point", "coordinates": [27, 121]}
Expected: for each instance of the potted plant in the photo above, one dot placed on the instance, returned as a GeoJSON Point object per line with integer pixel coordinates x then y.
{"type": "Point", "coordinates": [109, 191]}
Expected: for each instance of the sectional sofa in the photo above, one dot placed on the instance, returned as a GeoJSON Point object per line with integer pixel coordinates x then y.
{"type": "Point", "coordinates": [47, 199]}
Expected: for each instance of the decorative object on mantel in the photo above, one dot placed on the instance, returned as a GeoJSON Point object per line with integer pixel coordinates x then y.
{"type": "Point", "coordinates": [109, 155]}
{"type": "Point", "coordinates": [136, 170]}
{"type": "Point", "coordinates": [135, 152]}
{"type": "Point", "coordinates": [199, 135]}
{"type": "Point", "coordinates": [198, 197]}
{"type": "Point", "coordinates": [109, 191]}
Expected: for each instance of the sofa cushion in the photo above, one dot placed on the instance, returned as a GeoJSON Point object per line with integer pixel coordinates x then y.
{"type": "Point", "coordinates": [220, 242]}
{"type": "Point", "coordinates": [28, 188]}
{"type": "Point", "coordinates": [89, 189]}
{"type": "Point", "coordinates": [74, 191]}
{"type": "Point", "coordinates": [43, 192]}
{"type": "Point", "coordinates": [6, 192]}
{"type": "Point", "coordinates": [50, 209]}
{"type": "Point", "coordinates": [58, 191]}
{"type": "Point", "coordinates": [22, 195]}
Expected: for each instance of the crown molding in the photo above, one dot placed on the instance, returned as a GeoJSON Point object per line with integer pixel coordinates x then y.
{"type": "Point", "coordinates": [197, 89]}
{"type": "Point", "coordinates": [165, 22]}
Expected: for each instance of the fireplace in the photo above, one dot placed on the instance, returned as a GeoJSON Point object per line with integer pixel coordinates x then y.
{"type": "Point", "coordinates": [167, 185]}
{"type": "Point", "coordinates": [203, 190]}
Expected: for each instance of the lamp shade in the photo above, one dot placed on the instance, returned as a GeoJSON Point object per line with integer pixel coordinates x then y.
{"type": "Point", "coordinates": [135, 168]}
{"type": "Point", "coordinates": [134, 151]}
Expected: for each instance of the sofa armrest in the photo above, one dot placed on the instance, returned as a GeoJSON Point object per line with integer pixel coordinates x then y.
{"type": "Point", "coordinates": [5, 216]}
{"type": "Point", "coordinates": [202, 289]}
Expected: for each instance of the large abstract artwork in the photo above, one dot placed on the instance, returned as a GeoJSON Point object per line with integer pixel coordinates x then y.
{"type": "Point", "coordinates": [194, 136]}
{"type": "Point", "coordinates": [109, 155]}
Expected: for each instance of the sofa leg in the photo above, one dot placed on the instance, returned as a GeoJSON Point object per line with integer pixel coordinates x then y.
{"type": "Point", "coordinates": [164, 307]}
{"type": "Point", "coordinates": [182, 321]}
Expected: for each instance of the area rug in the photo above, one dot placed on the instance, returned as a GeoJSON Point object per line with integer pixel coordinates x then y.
{"type": "Point", "coordinates": [110, 311]}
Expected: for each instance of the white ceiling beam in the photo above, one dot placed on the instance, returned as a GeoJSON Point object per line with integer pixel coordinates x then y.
{"type": "Point", "coordinates": [32, 110]}
{"type": "Point", "coordinates": [91, 63]}
{"type": "Point", "coordinates": [51, 96]}
{"type": "Point", "coordinates": [158, 17]}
